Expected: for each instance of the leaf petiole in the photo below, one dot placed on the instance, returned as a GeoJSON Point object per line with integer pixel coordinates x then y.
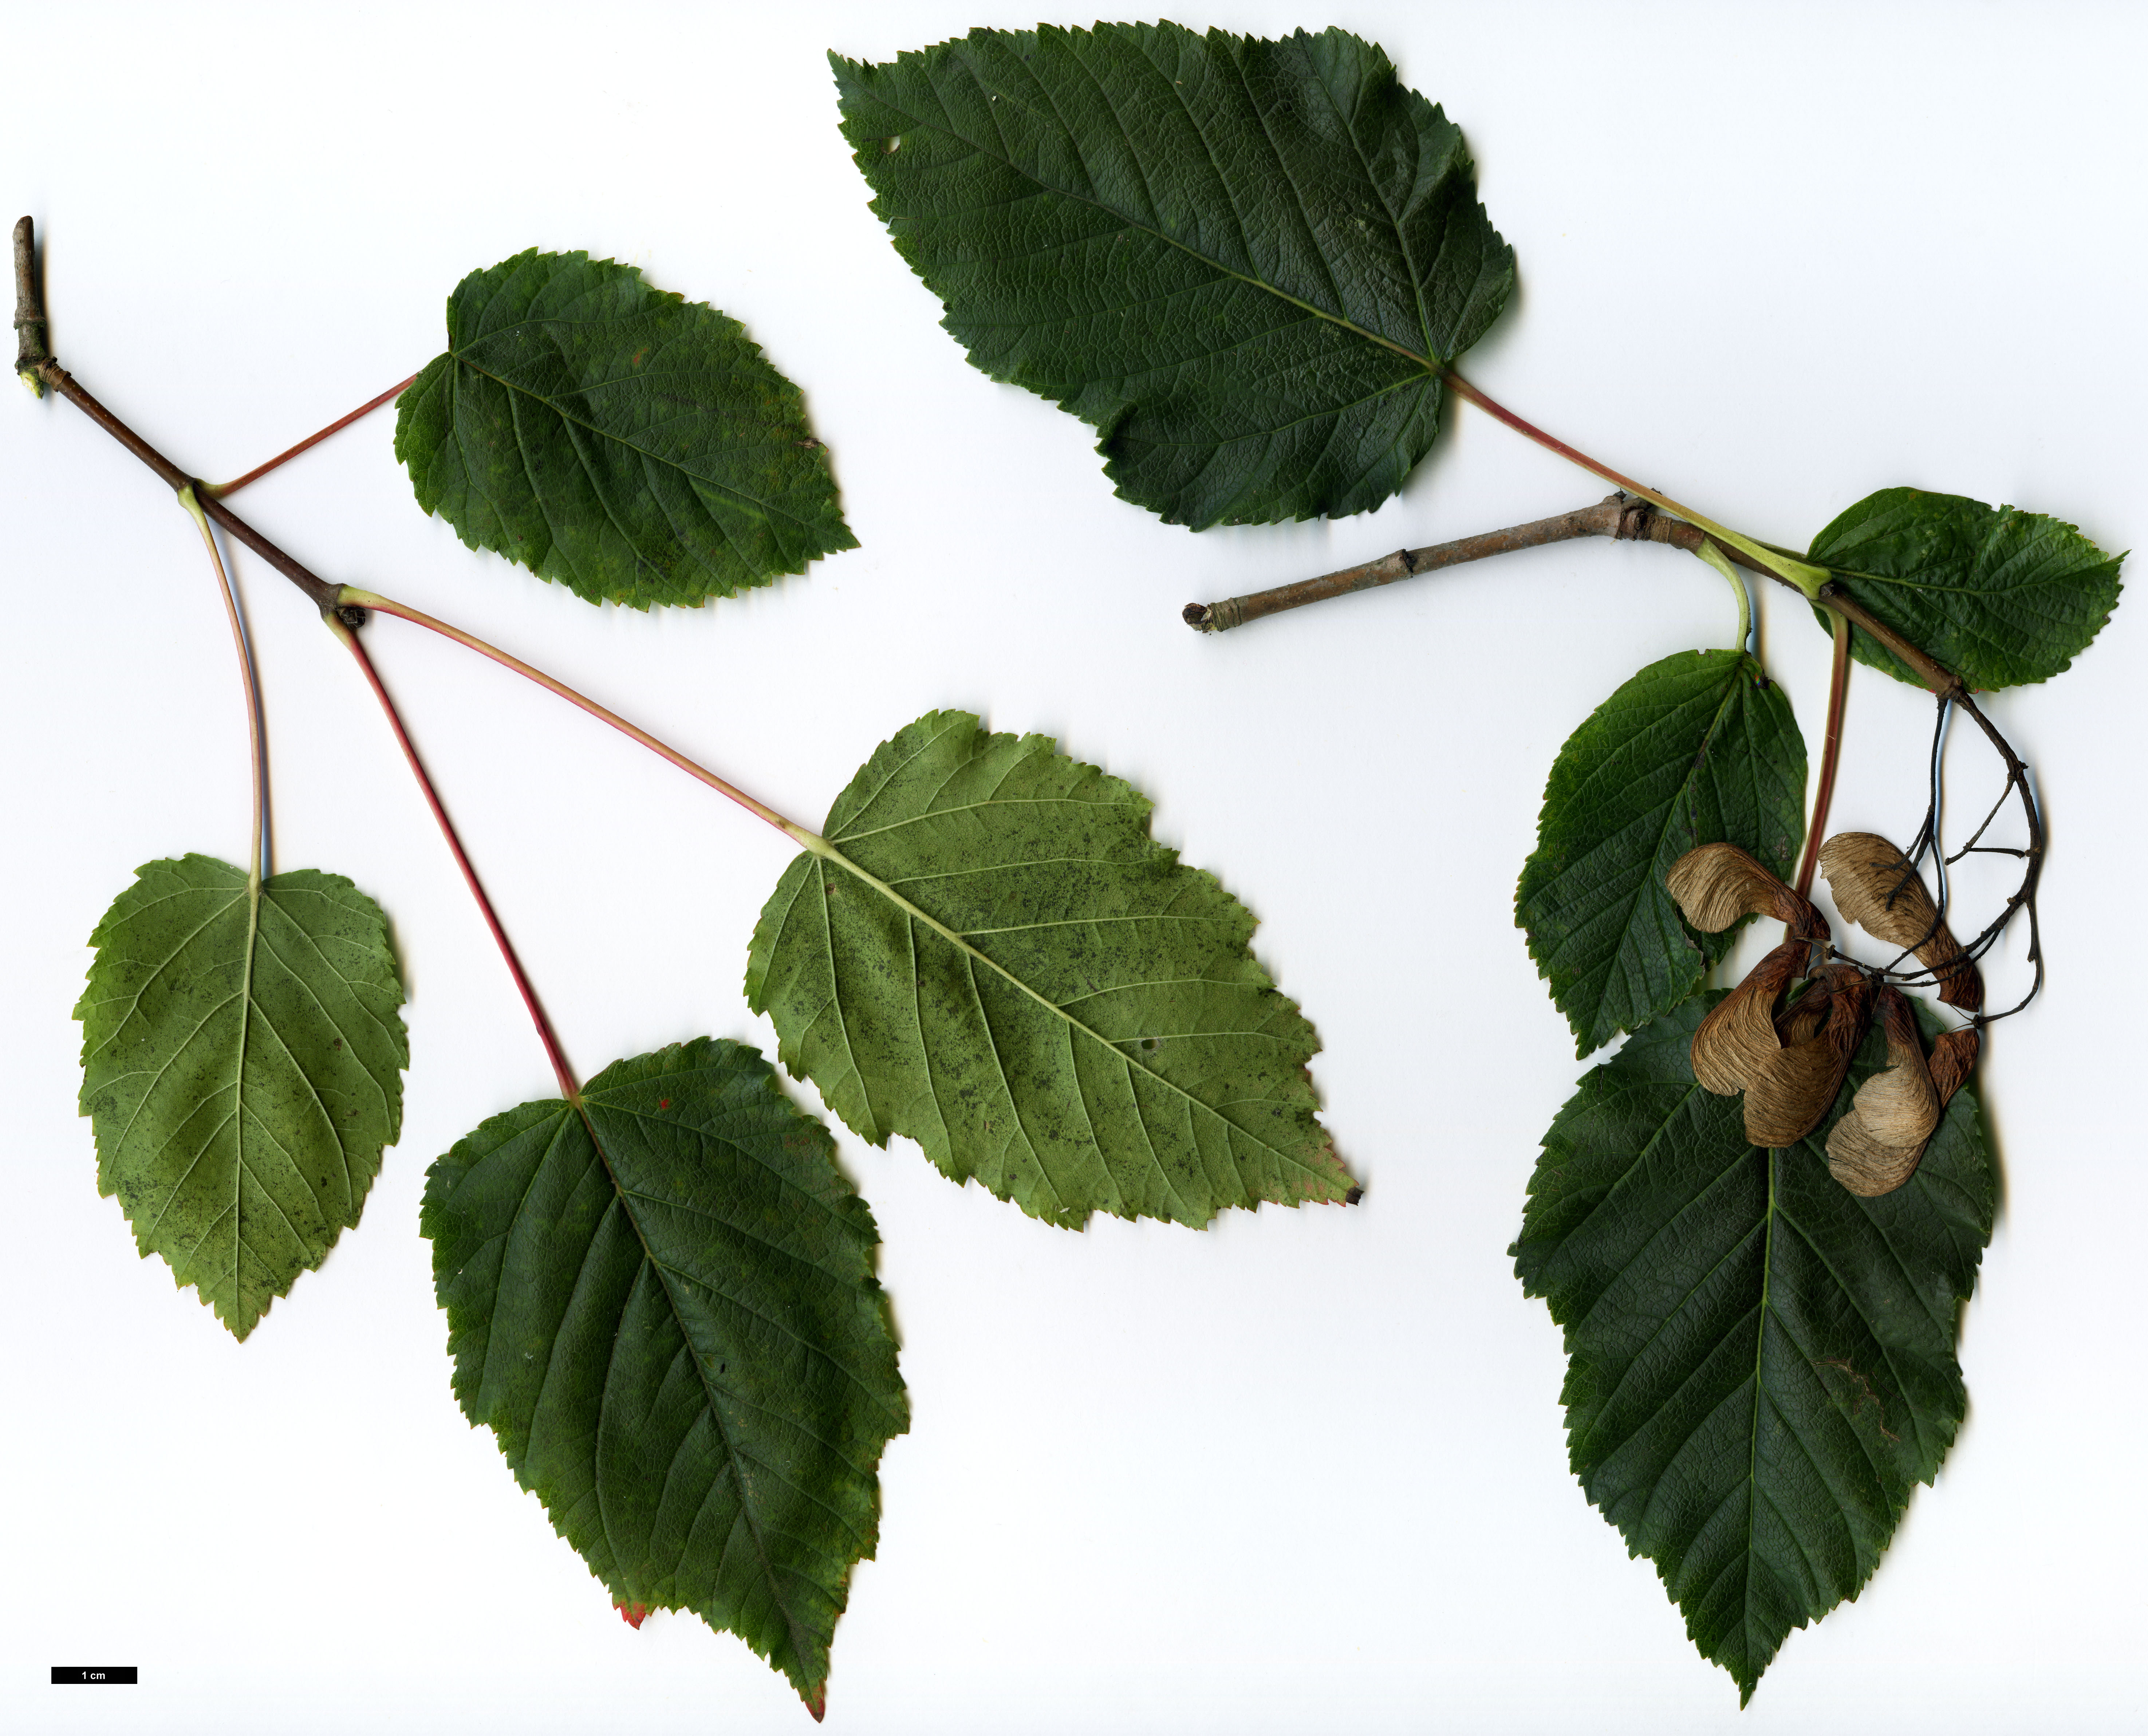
{"type": "Point", "coordinates": [1717, 559]}
{"type": "Point", "coordinates": [257, 860]}
{"type": "Point", "coordinates": [1830, 754]}
{"type": "Point", "coordinates": [1796, 574]}
{"type": "Point", "coordinates": [218, 490]}
{"type": "Point", "coordinates": [351, 597]}
{"type": "Point", "coordinates": [568, 1088]}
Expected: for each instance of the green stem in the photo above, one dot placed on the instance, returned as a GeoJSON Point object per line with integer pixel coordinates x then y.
{"type": "Point", "coordinates": [1717, 559]}
{"type": "Point", "coordinates": [257, 736]}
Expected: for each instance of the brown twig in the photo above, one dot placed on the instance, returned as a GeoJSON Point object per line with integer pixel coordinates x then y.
{"type": "Point", "coordinates": [322, 594]}
{"type": "Point", "coordinates": [47, 372]}
{"type": "Point", "coordinates": [1620, 516]}
{"type": "Point", "coordinates": [32, 333]}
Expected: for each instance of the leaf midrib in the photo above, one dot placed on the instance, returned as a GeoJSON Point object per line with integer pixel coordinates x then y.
{"type": "Point", "coordinates": [822, 848]}
{"type": "Point", "coordinates": [1753, 1430]}
{"type": "Point", "coordinates": [766, 508]}
{"type": "Point", "coordinates": [732, 1457]}
{"type": "Point", "coordinates": [1971, 591]}
{"type": "Point", "coordinates": [1433, 368]}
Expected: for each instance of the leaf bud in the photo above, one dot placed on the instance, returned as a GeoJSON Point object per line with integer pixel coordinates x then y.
{"type": "Point", "coordinates": [1878, 889]}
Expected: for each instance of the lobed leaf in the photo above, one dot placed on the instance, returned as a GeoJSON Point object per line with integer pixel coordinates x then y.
{"type": "Point", "coordinates": [989, 954]}
{"type": "Point", "coordinates": [661, 1300]}
{"type": "Point", "coordinates": [1245, 263]}
{"type": "Point", "coordinates": [1998, 595]}
{"type": "Point", "coordinates": [242, 1063]}
{"type": "Point", "coordinates": [619, 440]}
{"type": "Point", "coordinates": [1697, 749]}
{"type": "Point", "coordinates": [1762, 1364]}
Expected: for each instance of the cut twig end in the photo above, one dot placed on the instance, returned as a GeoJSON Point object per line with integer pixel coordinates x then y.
{"type": "Point", "coordinates": [1196, 616]}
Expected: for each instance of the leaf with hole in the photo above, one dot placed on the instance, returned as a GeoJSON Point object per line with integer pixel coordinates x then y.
{"type": "Point", "coordinates": [1761, 1364]}
{"type": "Point", "coordinates": [1699, 748]}
{"type": "Point", "coordinates": [1245, 263]}
{"type": "Point", "coordinates": [628, 443]}
{"type": "Point", "coordinates": [988, 953]}
{"type": "Point", "coordinates": [241, 1055]}
{"type": "Point", "coordinates": [1998, 595]}
{"type": "Point", "coordinates": [661, 1300]}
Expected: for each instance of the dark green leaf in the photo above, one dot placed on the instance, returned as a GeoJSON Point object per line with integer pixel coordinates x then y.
{"type": "Point", "coordinates": [241, 1068]}
{"type": "Point", "coordinates": [989, 954]}
{"type": "Point", "coordinates": [664, 1307]}
{"type": "Point", "coordinates": [1762, 1363]}
{"type": "Point", "coordinates": [1999, 595]}
{"type": "Point", "coordinates": [1697, 749]}
{"type": "Point", "coordinates": [630, 444]}
{"type": "Point", "coordinates": [1245, 263]}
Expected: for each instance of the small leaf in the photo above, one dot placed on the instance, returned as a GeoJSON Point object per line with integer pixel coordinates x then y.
{"type": "Point", "coordinates": [989, 954]}
{"type": "Point", "coordinates": [1762, 1364]}
{"type": "Point", "coordinates": [1694, 750]}
{"type": "Point", "coordinates": [624, 442]}
{"type": "Point", "coordinates": [664, 1307]}
{"type": "Point", "coordinates": [242, 1069]}
{"type": "Point", "coordinates": [1245, 263]}
{"type": "Point", "coordinates": [1998, 595]}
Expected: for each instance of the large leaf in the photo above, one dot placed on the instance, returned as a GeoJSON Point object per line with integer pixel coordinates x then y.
{"type": "Point", "coordinates": [1245, 263]}
{"type": "Point", "coordinates": [242, 1061]}
{"type": "Point", "coordinates": [1999, 595]}
{"type": "Point", "coordinates": [630, 444]}
{"type": "Point", "coordinates": [989, 954]}
{"type": "Point", "coordinates": [1762, 1363]}
{"type": "Point", "coordinates": [661, 1300]}
{"type": "Point", "coordinates": [1699, 748]}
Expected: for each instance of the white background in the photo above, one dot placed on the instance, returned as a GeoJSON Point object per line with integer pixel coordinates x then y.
{"type": "Point", "coordinates": [1305, 1472]}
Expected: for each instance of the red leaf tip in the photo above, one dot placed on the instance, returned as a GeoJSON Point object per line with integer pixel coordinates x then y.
{"type": "Point", "coordinates": [633, 1614]}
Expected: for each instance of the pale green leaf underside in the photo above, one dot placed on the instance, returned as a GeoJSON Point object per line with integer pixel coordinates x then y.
{"type": "Point", "coordinates": [624, 442]}
{"type": "Point", "coordinates": [1762, 1365]}
{"type": "Point", "coordinates": [241, 1076]}
{"type": "Point", "coordinates": [1998, 595]}
{"type": "Point", "coordinates": [665, 1308]}
{"type": "Point", "coordinates": [1100, 1038]}
{"type": "Point", "coordinates": [1243, 262]}
{"type": "Point", "coordinates": [1694, 750]}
